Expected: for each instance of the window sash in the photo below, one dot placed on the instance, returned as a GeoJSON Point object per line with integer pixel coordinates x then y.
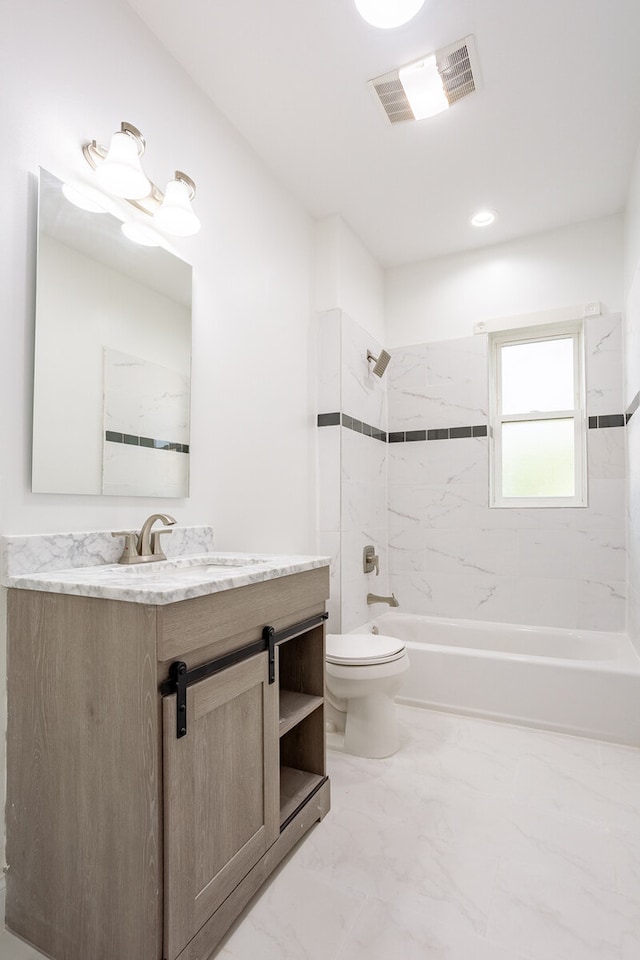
{"type": "Point", "coordinates": [577, 414]}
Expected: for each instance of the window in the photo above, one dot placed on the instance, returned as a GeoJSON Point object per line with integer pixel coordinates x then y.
{"type": "Point", "coordinates": [537, 418]}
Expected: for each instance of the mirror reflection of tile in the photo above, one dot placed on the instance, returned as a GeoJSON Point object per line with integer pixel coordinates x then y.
{"type": "Point", "coordinates": [146, 427]}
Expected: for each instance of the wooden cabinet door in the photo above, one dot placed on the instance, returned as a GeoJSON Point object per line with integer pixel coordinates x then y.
{"type": "Point", "coordinates": [221, 793]}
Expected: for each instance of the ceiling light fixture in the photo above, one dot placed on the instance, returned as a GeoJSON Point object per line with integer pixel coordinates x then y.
{"type": "Point", "coordinates": [119, 172]}
{"type": "Point", "coordinates": [422, 84]}
{"type": "Point", "coordinates": [387, 14]}
{"type": "Point", "coordinates": [423, 88]}
{"type": "Point", "coordinates": [483, 218]}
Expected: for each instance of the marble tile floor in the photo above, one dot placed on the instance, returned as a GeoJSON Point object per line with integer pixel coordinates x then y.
{"type": "Point", "coordinates": [477, 841]}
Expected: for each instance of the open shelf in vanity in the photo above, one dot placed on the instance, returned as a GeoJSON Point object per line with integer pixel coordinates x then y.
{"type": "Point", "coordinates": [301, 720]}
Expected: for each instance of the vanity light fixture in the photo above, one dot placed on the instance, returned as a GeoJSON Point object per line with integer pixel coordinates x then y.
{"type": "Point", "coordinates": [175, 214]}
{"type": "Point", "coordinates": [387, 14]}
{"type": "Point", "coordinates": [86, 197]}
{"type": "Point", "coordinates": [119, 172]}
{"type": "Point", "coordinates": [483, 218]}
{"type": "Point", "coordinates": [139, 233]}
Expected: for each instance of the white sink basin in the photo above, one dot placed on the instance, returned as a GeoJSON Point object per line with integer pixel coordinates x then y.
{"type": "Point", "coordinates": [185, 567]}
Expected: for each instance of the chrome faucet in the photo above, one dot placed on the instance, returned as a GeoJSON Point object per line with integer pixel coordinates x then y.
{"type": "Point", "coordinates": [145, 546]}
{"type": "Point", "coordinates": [372, 598]}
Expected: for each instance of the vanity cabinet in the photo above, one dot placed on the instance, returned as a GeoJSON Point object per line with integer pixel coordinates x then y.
{"type": "Point", "coordinates": [137, 830]}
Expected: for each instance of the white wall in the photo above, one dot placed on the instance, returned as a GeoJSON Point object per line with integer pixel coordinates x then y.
{"type": "Point", "coordinates": [632, 225]}
{"type": "Point", "coordinates": [70, 73]}
{"type": "Point", "coordinates": [441, 299]}
{"type": "Point", "coordinates": [348, 277]}
{"type": "Point", "coordinates": [252, 271]}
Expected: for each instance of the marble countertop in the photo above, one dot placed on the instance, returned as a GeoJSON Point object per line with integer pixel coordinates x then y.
{"type": "Point", "coordinates": [168, 581]}
{"type": "Point", "coordinates": [83, 565]}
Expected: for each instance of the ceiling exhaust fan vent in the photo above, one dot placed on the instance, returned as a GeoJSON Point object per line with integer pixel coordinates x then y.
{"type": "Point", "coordinates": [456, 72]}
{"type": "Point", "coordinates": [457, 66]}
{"type": "Point", "coordinates": [393, 98]}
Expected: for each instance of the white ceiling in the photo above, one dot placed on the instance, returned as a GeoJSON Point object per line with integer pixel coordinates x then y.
{"type": "Point", "coordinates": [548, 139]}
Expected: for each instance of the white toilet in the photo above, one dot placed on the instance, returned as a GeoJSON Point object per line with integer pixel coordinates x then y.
{"type": "Point", "coordinates": [364, 674]}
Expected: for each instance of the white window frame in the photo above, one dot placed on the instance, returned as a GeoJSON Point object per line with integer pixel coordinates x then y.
{"type": "Point", "coordinates": [497, 341]}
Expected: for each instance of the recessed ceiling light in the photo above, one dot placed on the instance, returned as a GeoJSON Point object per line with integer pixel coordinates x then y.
{"type": "Point", "coordinates": [483, 218]}
{"type": "Point", "coordinates": [422, 84]}
{"type": "Point", "coordinates": [388, 13]}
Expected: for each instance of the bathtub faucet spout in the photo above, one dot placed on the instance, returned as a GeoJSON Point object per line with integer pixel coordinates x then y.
{"type": "Point", "coordinates": [372, 598]}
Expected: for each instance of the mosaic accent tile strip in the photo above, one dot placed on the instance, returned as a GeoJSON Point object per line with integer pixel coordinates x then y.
{"type": "Point", "coordinates": [440, 433]}
{"type": "Point", "coordinates": [328, 419]}
{"type": "Point", "coordinates": [335, 419]}
{"type": "Point", "coordinates": [610, 420]}
{"type": "Point", "coordinates": [401, 436]}
{"type": "Point", "coordinates": [456, 433]}
{"type": "Point", "coordinates": [113, 437]}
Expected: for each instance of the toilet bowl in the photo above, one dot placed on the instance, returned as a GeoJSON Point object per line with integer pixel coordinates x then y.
{"type": "Point", "coordinates": [363, 675]}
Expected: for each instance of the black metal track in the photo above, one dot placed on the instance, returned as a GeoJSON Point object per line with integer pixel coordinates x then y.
{"type": "Point", "coordinates": [180, 677]}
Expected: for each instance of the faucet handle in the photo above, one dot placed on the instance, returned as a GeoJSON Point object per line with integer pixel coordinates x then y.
{"type": "Point", "coordinates": [370, 560]}
{"type": "Point", "coordinates": [156, 547]}
{"type": "Point", "coordinates": [130, 549]}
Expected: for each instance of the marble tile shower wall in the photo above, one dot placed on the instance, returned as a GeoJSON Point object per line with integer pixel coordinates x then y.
{"type": "Point", "coordinates": [452, 555]}
{"type": "Point", "coordinates": [329, 399]}
{"type": "Point", "coordinates": [633, 455]}
{"type": "Point", "coordinates": [632, 347]}
{"type": "Point", "coordinates": [352, 466]}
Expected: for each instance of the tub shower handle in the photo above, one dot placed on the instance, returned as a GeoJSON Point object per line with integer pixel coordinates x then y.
{"type": "Point", "coordinates": [370, 560]}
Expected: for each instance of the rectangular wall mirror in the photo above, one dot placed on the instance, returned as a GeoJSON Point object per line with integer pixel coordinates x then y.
{"type": "Point", "coordinates": [112, 357]}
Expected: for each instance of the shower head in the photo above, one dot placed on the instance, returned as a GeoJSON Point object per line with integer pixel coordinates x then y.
{"type": "Point", "coordinates": [380, 363]}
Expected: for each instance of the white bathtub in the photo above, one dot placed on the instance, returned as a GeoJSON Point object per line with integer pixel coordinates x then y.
{"type": "Point", "coordinates": [581, 682]}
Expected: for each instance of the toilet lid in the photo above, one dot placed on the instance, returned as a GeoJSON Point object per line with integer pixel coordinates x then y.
{"type": "Point", "coordinates": [362, 648]}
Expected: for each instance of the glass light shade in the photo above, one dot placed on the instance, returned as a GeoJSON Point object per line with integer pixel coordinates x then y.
{"type": "Point", "coordinates": [86, 198]}
{"type": "Point", "coordinates": [387, 14]}
{"type": "Point", "coordinates": [176, 215]}
{"type": "Point", "coordinates": [120, 173]}
{"type": "Point", "coordinates": [423, 86]}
